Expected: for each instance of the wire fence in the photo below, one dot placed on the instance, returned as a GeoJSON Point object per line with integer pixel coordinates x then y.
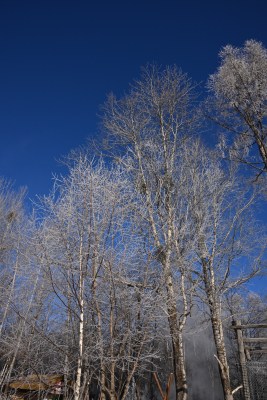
{"type": "Point", "coordinates": [257, 378]}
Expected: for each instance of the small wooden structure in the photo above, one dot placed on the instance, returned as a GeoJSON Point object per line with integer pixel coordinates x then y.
{"type": "Point", "coordinates": [33, 387]}
{"type": "Point", "coordinates": [245, 351]}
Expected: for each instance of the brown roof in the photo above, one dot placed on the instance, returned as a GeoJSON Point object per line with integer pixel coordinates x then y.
{"type": "Point", "coordinates": [36, 382]}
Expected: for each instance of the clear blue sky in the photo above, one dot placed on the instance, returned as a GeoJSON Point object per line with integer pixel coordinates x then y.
{"type": "Point", "coordinates": [59, 59]}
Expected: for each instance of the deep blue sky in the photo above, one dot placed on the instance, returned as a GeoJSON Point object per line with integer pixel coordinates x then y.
{"type": "Point", "coordinates": [59, 59]}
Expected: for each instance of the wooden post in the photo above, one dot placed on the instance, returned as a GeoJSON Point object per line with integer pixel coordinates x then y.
{"type": "Point", "coordinates": [164, 396]}
{"type": "Point", "coordinates": [242, 358]}
{"type": "Point", "coordinates": [155, 375]}
{"type": "Point", "coordinates": [168, 388]}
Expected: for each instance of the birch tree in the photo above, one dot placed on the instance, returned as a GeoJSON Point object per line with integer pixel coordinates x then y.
{"type": "Point", "coordinates": [11, 236]}
{"type": "Point", "coordinates": [151, 124]}
{"type": "Point", "coordinates": [227, 252]}
{"type": "Point", "coordinates": [14, 232]}
{"type": "Point", "coordinates": [89, 254]}
{"type": "Point", "coordinates": [239, 102]}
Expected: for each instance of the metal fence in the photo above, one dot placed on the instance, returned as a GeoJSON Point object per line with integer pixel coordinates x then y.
{"type": "Point", "coordinates": [257, 378]}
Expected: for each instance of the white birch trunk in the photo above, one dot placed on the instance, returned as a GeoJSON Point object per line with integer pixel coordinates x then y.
{"type": "Point", "coordinates": [77, 389]}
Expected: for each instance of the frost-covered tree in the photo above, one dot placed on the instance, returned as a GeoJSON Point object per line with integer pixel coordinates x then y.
{"type": "Point", "coordinates": [152, 125]}
{"type": "Point", "coordinates": [11, 236]}
{"type": "Point", "coordinates": [227, 255]}
{"type": "Point", "coordinates": [94, 264]}
{"type": "Point", "coordinates": [239, 102]}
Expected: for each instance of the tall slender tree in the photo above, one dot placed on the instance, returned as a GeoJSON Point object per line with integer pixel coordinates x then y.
{"type": "Point", "coordinates": [89, 247]}
{"type": "Point", "coordinates": [152, 123]}
{"type": "Point", "coordinates": [227, 253]}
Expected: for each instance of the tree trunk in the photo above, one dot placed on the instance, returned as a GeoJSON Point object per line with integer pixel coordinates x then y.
{"type": "Point", "coordinates": [77, 389]}
{"type": "Point", "coordinates": [79, 366]}
{"type": "Point", "coordinates": [217, 328]}
{"type": "Point", "coordinates": [112, 392]}
{"type": "Point", "coordinates": [177, 344]}
{"type": "Point", "coordinates": [102, 384]}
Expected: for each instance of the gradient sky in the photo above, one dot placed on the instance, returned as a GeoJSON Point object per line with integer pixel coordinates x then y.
{"type": "Point", "coordinates": [59, 59]}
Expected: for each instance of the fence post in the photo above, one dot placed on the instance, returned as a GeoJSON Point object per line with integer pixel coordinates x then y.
{"type": "Point", "coordinates": [242, 358]}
